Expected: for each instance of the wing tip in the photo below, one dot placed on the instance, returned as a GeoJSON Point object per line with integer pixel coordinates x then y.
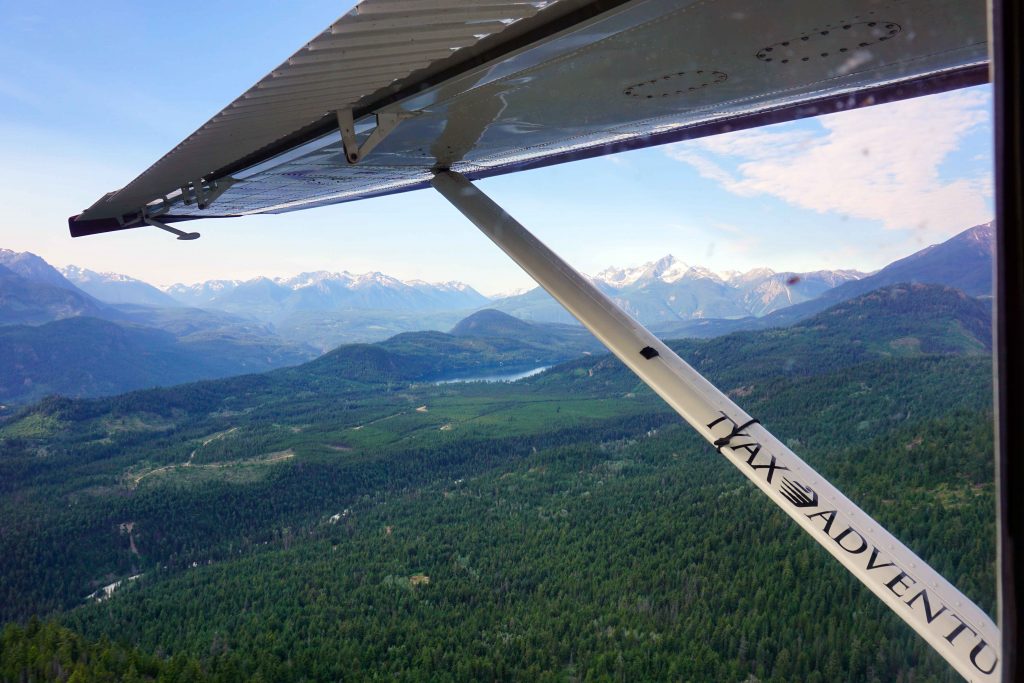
{"type": "Point", "coordinates": [83, 227]}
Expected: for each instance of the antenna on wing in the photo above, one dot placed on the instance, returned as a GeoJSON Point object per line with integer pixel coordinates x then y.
{"type": "Point", "coordinates": [182, 235]}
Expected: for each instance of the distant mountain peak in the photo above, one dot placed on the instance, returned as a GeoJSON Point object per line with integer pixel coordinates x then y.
{"type": "Point", "coordinates": [77, 273]}
{"type": "Point", "coordinates": [734, 277]}
{"type": "Point", "coordinates": [279, 299]}
{"type": "Point", "coordinates": [449, 286]}
{"type": "Point", "coordinates": [377, 278]}
{"type": "Point", "coordinates": [983, 235]}
{"type": "Point", "coordinates": [115, 288]}
{"type": "Point", "coordinates": [509, 293]}
{"type": "Point", "coordinates": [314, 278]}
{"type": "Point", "coordinates": [34, 268]}
{"type": "Point", "coordinates": [985, 232]}
{"type": "Point", "coordinates": [357, 280]}
{"type": "Point", "coordinates": [697, 273]}
{"type": "Point", "coordinates": [671, 269]}
{"type": "Point", "coordinates": [454, 284]}
{"type": "Point", "coordinates": [491, 323]}
{"type": "Point", "coordinates": [668, 269]}
{"type": "Point", "coordinates": [668, 291]}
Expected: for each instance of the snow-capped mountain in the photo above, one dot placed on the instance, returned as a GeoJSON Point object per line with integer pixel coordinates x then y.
{"type": "Point", "coordinates": [324, 309]}
{"type": "Point", "coordinates": [202, 294]}
{"type": "Point", "coordinates": [667, 269]}
{"type": "Point", "coordinates": [765, 291]}
{"type": "Point", "coordinates": [114, 288]}
{"type": "Point", "coordinates": [669, 290]}
{"type": "Point", "coordinates": [277, 299]}
{"type": "Point", "coordinates": [508, 293]}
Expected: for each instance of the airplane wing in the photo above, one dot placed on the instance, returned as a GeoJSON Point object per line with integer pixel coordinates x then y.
{"type": "Point", "coordinates": [397, 89]}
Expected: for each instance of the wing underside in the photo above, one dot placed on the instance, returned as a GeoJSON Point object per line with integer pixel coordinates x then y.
{"type": "Point", "coordinates": [493, 87]}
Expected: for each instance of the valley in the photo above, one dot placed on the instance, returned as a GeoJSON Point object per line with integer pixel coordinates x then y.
{"type": "Point", "coordinates": [350, 519]}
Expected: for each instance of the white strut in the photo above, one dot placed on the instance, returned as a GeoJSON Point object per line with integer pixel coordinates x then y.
{"type": "Point", "coordinates": [953, 625]}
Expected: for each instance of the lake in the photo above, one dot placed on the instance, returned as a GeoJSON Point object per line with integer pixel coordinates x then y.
{"type": "Point", "coordinates": [507, 377]}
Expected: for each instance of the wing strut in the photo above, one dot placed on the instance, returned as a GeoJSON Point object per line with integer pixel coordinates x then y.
{"type": "Point", "coordinates": [953, 625]}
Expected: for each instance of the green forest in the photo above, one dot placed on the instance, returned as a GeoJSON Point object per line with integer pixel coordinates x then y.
{"type": "Point", "coordinates": [348, 520]}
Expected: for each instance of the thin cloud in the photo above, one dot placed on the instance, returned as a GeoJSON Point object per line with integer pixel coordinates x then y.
{"type": "Point", "coordinates": [881, 163]}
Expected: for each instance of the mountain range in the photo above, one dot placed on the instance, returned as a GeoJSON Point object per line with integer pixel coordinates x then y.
{"type": "Point", "coordinates": [114, 288]}
{"type": "Point", "coordinates": [328, 308]}
{"type": "Point", "coordinates": [665, 290]}
{"type": "Point", "coordinates": [57, 338]}
{"type": "Point", "coordinates": [277, 299]}
{"type": "Point", "coordinates": [325, 309]}
{"type": "Point", "coordinates": [964, 262]}
{"type": "Point", "coordinates": [668, 291]}
{"type": "Point", "coordinates": [224, 327]}
{"type": "Point", "coordinates": [321, 309]}
{"type": "Point", "coordinates": [32, 292]}
{"type": "Point", "coordinates": [677, 300]}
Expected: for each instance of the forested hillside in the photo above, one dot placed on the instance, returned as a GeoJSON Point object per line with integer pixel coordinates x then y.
{"type": "Point", "coordinates": [329, 523]}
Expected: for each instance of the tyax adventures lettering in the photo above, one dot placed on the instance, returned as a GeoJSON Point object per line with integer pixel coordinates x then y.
{"type": "Point", "coordinates": [875, 565]}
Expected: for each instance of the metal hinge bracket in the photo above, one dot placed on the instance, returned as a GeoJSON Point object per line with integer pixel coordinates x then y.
{"type": "Point", "coordinates": [386, 122]}
{"type": "Point", "coordinates": [204, 194]}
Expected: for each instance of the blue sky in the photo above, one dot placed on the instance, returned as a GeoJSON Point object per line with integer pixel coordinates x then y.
{"type": "Point", "coordinates": [100, 90]}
